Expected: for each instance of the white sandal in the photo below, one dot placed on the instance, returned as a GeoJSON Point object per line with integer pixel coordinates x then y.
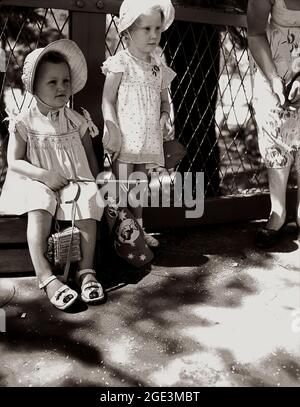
{"type": "Point", "coordinates": [90, 288]}
{"type": "Point", "coordinates": [64, 297]}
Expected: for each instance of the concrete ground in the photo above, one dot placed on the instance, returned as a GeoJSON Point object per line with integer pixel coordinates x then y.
{"type": "Point", "coordinates": [212, 311]}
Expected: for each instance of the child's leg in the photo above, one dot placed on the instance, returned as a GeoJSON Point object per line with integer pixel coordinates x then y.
{"type": "Point", "coordinates": [278, 178]}
{"type": "Point", "coordinates": [91, 288]}
{"type": "Point", "coordinates": [88, 230]}
{"type": "Point", "coordinates": [38, 231]}
{"type": "Point", "coordinates": [123, 171]}
{"type": "Point", "coordinates": [126, 170]}
{"type": "Point", "coordinates": [138, 211]}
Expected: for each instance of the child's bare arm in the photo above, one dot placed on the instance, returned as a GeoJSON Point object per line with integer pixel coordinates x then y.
{"type": "Point", "coordinates": [165, 102]}
{"type": "Point", "coordinates": [90, 153]}
{"type": "Point", "coordinates": [111, 141]}
{"type": "Point", "coordinates": [110, 91]}
{"type": "Point", "coordinates": [165, 121]}
{"type": "Point", "coordinates": [16, 158]}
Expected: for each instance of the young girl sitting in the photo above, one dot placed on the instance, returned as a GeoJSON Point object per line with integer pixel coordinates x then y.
{"type": "Point", "coordinates": [50, 145]}
{"type": "Point", "coordinates": [135, 102]}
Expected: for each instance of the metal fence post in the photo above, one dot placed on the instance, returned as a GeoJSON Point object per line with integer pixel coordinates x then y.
{"type": "Point", "coordinates": [88, 31]}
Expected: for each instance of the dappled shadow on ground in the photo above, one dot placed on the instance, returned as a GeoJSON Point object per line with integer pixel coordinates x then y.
{"type": "Point", "coordinates": [213, 293]}
{"type": "Point", "coordinates": [214, 319]}
{"type": "Point", "coordinates": [119, 376]}
{"type": "Point", "coordinates": [278, 366]}
{"type": "Point", "coordinates": [46, 328]}
{"type": "Point", "coordinates": [51, 335]}
{"type": "Point", "coordinates": [217, 319]}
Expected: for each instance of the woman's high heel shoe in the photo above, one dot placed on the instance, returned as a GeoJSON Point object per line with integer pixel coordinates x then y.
{"type": "Point", "coordinates": [267, 238]}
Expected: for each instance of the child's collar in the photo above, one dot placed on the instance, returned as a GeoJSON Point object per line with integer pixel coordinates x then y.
{"type": "Point", "coordinates": [153, 58]}
{"type": "Point", "coordinates": [55, 116]}
{"type": "Point", "coordinates": [51, 109]}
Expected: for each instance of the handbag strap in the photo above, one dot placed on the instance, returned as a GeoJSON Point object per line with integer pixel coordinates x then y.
{"type": "Point", "coordinates": [73, 213]}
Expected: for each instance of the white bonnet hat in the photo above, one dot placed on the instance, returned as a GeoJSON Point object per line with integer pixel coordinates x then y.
{"type": "Point", "coordinates": [74, 56]}
{"type": "Point", "coordinates": [130, 10]}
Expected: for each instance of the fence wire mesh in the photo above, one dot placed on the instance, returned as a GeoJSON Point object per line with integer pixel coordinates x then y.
{"type": "Point", "coordinates": [211, 94]}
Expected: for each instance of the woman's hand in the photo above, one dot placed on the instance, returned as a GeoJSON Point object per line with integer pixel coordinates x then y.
{"type": "Point", "coordinates": [278, 88]}
{"type": "Point", "coordinates": [55, 181]}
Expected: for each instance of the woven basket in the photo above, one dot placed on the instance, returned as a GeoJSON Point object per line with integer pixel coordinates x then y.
{"type": "Point", "coordinates": [58, 246]}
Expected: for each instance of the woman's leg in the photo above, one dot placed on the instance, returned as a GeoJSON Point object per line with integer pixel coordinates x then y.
{"type": "Point", "coordinates": [298, 197]}
{"type": "Point", "coordinates": [278, 178]}
{"type": "Point", "coordinates": [38, 231]}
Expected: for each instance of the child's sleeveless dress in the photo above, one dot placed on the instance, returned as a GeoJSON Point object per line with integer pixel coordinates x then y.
{"type": "Point", "coordinates": [138, 106]}
{"type": "Point", "coordinates": [53, 143]}
{"type": "Point", "coordinates": [279, 128]}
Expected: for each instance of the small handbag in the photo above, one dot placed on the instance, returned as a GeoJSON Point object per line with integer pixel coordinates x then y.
{"type": "Point", "coordinates": [174, 152]}
{"type": "Point", "coordinates": [59, 243]}
{"type": "Point", "coordinates": [63, 246]}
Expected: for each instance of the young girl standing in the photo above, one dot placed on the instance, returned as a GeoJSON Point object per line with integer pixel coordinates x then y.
{"type": "Point", "coordinates": [49, 145]}
{"type": "Point", "coordinates": [135, 104]}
